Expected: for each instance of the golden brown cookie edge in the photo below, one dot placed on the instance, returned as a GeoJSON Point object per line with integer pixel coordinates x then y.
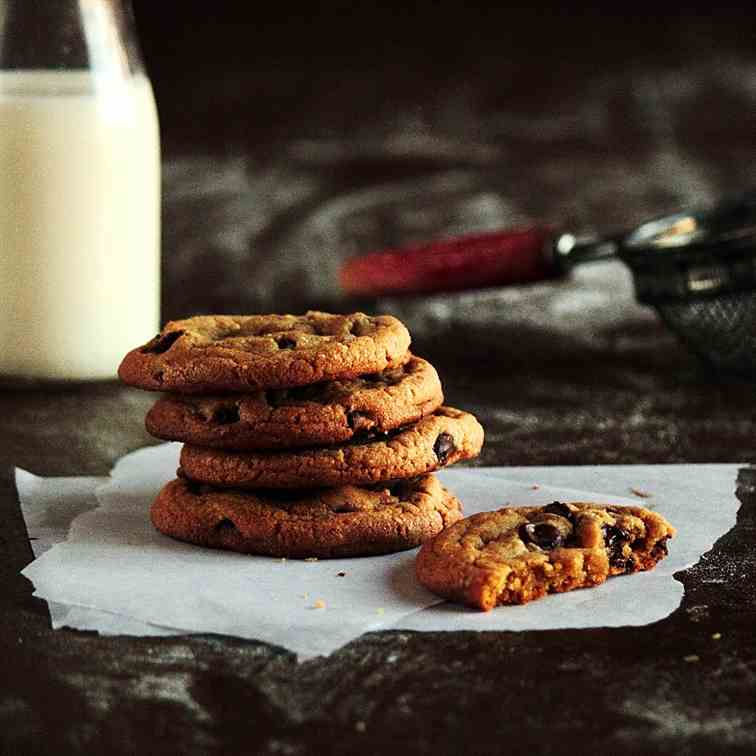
{"type": "Point", "coordinates": [351, 464]}
{"type": "Point", "coordinates": [224, 369]}
{"type": "Point", "coordinates": [171, 515]}
{"type": "Point", "coordinates": [175, 417]}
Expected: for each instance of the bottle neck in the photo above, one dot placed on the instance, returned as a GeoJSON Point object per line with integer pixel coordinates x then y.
{"type": "Point", "coordinates": [94, 35]}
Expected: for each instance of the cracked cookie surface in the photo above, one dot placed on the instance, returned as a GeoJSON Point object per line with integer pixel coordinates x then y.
{"type": "Point", "coordinates": [338, 522]}
{"type": "Point", "coordinates": [244, 353]}
{"type": "Point", "coordinates": [517, 554]}
{"type": "Point", "coordinates": [442, 438]}
{"type": "Point", "coordinates": [324, 413]}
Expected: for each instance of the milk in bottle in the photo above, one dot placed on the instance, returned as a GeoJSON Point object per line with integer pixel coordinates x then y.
{"type": "Point", "coordinates": [79, 205]}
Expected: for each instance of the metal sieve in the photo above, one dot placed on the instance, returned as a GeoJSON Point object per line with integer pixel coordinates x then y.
{"type": "Point", "coordinates": [697, 268]}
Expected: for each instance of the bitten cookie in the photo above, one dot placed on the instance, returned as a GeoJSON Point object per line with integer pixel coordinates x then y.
{"type": "Point", "coordinates": [340, 522]}
{"type": "Point", "coordinates": [515, 555]}
{"type": "Point", "coordinates": [218, 353]}
{"type": "Point", "coordinates": [324, 413]}
{"type": "Point", "coordinates": [440, 439]}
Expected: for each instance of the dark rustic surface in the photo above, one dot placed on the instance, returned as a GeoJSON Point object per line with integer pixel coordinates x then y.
{"type": "Point", "coordinates": [289, 150]}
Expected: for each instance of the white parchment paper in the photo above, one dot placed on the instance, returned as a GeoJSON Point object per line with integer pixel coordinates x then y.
{"type": "Point", "coordinates": [102, 566]}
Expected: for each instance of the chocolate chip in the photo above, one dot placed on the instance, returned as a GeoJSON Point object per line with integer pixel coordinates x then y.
{"type": "Point", "coordinates": [614, 535]}
{"type": "Point", "coordinates": [341, 574]}
{"type": "Point", "coordinates": [226, 415]}
{"type": "Point", "coordinates": [161, 344]}
{"type": "Point", "coordinates": [614, 540]}
{"type": "Point", "coordinates": [542, 534]}
{"type": "Point", "coordinates": [627, 565]}
{"type": "Point", "coordinates": [224, 524]}
{"type": "Point", "coordinates": [443, 447]}
{"type": "Point", "coordinates": [561, 509]}
{"type": "Point", "coordinates": [285, 342]}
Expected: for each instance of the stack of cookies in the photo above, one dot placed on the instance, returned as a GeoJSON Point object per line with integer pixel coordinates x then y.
{"type": "Point", "coordinates": [304, 436]}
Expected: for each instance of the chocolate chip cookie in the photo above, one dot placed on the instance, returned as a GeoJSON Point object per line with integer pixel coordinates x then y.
{"type": "Point", "coordinates": [437, 440]}
{"type": "Point", "coordinates": [218, 353]}
{"type": "Point", "coordinates": [515, 555]}
{"type": "Point", "coordinates": [338, 522]}
{"type": "Point", "coordinates": [324, 413]}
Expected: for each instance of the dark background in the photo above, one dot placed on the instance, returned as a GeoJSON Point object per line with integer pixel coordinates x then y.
{"type": "Point", "coordinates": [234, 73]}
{"type": "Point", "coordinates": [588, 117]}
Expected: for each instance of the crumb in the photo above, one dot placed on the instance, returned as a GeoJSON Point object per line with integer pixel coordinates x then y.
{"type": "Point", "coordinates": [641, 494]}
{"type": "Point", "coordinates": [380, 610]}
{"type": "Point", "coordinates": [716, 636]}
{"type": "Point", "coordinates": [341, 574]}
{"type": "Point", "coordinates": [692, 658]}
{"type": "Point", "coordinates": [360, 726]}
{"type": "Point", "coordinates": [535, 487]}
{"type": "Point", "coordinates": [319, 604]}
{"type": "Point", "coordinates": [311, 559]}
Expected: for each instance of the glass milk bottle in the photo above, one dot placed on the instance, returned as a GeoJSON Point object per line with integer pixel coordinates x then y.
{"type": "Point", "coordinates": [79, 190]}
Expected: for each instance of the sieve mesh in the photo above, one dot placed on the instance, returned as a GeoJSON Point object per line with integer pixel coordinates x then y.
{"type": "Point", "coordinates": [721, 330]}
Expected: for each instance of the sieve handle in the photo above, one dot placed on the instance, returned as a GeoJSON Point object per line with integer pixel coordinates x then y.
{"type": "Point", "coordinates": [467, 262]}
